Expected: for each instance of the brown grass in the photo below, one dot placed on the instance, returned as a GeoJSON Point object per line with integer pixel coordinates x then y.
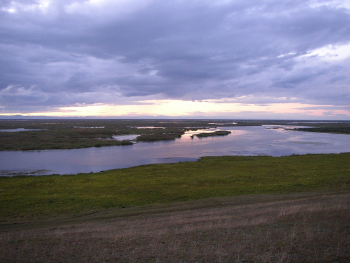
{"type": "Point", "coordinates": [264, 228]}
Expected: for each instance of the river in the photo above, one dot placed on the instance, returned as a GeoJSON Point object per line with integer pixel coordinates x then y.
{"type": "Point", "coordinates": [249, 140]}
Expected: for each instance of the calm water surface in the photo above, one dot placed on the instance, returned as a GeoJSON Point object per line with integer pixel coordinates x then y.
{"type": "Point", "coordinates": [242, 141]}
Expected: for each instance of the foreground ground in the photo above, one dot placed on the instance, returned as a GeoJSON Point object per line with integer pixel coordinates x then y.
{"type": "Point", "coordinates": [302, 227]}
{"type": "Point", "coordinates": [218, 209]}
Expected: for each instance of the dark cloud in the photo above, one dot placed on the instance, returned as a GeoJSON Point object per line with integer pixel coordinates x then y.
{"type": "Point", "coordinates": [63, 53]}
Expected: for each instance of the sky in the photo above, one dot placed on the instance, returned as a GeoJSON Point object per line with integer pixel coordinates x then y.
{"type": "Point", "coordinates": [266, 59]}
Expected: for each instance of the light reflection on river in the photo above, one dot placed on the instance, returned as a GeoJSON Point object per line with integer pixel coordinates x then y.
{"type": "Point", "coordinates": [242, 141]}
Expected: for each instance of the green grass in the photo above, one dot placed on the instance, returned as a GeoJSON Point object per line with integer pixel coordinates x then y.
{"type": "Point", "coordinates": [340, 129]}
{"type": "Point", "coordinates": [216, 133]}
{"type": "Point", "coordinates": [47, 196]}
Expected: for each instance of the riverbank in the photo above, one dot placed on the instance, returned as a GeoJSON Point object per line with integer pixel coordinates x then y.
{"type": "Point", "coordinates": [218, 209]}
{"type": "Point", "coordinates": [31, 197]}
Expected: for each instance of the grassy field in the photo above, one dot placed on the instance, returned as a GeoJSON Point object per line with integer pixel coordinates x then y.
{"type": "Point", "coordinates": [218, 209]}
{"type": "Point", "coordinates": [46, 196]}
{"type": "Point", "coordinates": [285, 228]}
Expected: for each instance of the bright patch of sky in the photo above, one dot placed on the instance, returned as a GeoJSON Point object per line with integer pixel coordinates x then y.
{"type": "Point", "coordinates": [331, 52]}
{"type": "Point", "coordinates": [18, 6]}
{"type": "Point", "coordinates": [199, 109]}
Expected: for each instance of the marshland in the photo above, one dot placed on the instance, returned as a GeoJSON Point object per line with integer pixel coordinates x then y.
{"type": "Point", "coordinates": [293, 208]}
{"type": "Point", "coordinates": [153, 141]}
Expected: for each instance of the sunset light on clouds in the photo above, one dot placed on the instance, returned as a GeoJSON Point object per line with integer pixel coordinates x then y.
{"type": "Point", "coordinates": [179, 59]}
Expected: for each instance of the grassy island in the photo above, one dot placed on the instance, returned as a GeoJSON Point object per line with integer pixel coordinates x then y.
{"type": "Point", "coordinates": [159, 137]}
{"type": "Point", "coordinates": [209, 134]}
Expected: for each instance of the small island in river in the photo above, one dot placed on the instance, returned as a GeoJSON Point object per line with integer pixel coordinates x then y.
{"type": "Point", "coordinates": [216, 133]}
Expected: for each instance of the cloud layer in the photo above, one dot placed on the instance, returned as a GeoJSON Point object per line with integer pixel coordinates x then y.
{"type": "Point", "coordinates": [69, 53]}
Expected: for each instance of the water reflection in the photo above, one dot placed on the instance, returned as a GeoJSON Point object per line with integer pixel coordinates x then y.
{"type": "Point", "coordinates": [242, 141]}
{"type": "Point", "coordinates": [189, 135]}
{"type": "Point", "coordinates": [21, 130]}
{"type": "Point", "coordinates": [128, 137]}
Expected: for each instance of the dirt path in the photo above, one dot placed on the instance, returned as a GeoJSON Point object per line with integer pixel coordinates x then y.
{"type": "Point", "coordinates": [299, 227]}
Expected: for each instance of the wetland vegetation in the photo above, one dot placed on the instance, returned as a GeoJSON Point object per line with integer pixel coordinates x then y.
{"type": "Point", "coordinates": [43, 196]}
{"type": "Point", "coordinates": [83, 133]}
{"type": "Point", "coordinates": [70, 134]}
{"type": "Point", "coordinates": [340, 128]}
{"type": "Point", "coordinates": [209, 134]}
{"type": "Point", "coordinates": [218, 209]}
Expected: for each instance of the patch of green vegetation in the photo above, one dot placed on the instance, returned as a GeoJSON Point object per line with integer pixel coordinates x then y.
{"type": "Point", "coordinates": [216, 133]}
{"type": "Point", "coordinates": [334, 129]}
{"type": "Point", "coordinates": [46, 196]}
{"type": "Point", "coordinates": [63, 139]}
{"type": "Point", "coordinates": [83, 133]}
{"type": "Point", "coordinates": [340, 127]}
{"type": "Point", "coordinates": [158, 137]}
{"type": "Point", "coordinates": [70, 134]}
{"type": "Point", "coordinates": [161, 135]}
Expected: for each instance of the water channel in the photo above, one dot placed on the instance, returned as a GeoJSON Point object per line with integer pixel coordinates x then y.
{"type": "Point", "coordinates": [252, 141]}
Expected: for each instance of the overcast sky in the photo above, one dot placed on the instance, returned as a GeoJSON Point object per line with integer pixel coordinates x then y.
{"type": "Point", "coordinates": [186, 58]}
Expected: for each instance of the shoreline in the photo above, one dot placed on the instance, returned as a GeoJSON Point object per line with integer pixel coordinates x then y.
{"type": "Point", "coordinates": [46, 196]}
{"type": "Point", "coordinates": [39, 172]}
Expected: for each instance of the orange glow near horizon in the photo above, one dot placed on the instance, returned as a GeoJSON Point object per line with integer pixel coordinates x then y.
{"type": "Point", "coordinates": [172, 108]}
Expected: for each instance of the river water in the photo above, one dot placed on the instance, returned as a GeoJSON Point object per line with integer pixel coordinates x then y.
{"type": "Point", "coordinates": [256, 140]}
